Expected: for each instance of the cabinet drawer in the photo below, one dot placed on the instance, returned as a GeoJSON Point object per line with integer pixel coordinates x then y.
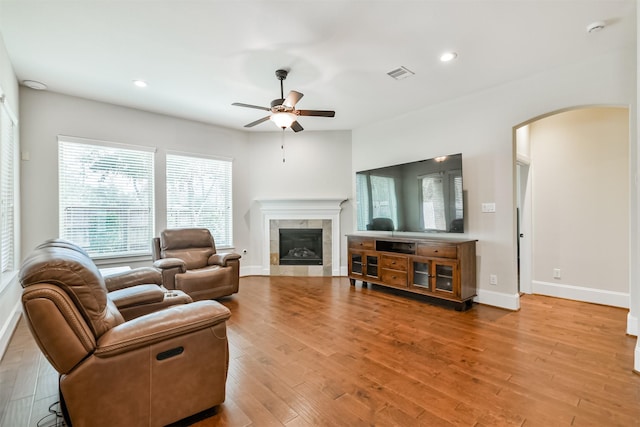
{"type": "Point", "coordinates": [361, 243]}
{"type": "Point", "coordinates": [394, 278]}
{"type": "Point", "coordinates": [440, 251]}
{"type": "Point", "coordinates": [394, 262]}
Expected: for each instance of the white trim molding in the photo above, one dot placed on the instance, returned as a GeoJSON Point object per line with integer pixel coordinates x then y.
{"type": "Point", "coordinates": [580, 293]}
{"type": "Point", "coordinates": [10, 325]}
{"type": "Point", "coordinates": [498, 299]}
{"type": "Point", "coordinates": [632, 325]}
{"type": "Point", "coordinates": [302, 209]}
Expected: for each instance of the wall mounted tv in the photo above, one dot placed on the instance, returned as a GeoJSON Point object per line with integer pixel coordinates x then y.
{"type": "Point", "coordinates": [420, 196]}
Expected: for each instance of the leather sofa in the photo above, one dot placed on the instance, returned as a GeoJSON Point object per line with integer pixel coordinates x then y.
{"type": "Point", "coordinates": [189, 262]}
{"type": "Point", "coordinates": [153, 370]}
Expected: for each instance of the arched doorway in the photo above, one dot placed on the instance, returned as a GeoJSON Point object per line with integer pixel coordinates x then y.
{"type": "Point", "coordinates": [573, 197]}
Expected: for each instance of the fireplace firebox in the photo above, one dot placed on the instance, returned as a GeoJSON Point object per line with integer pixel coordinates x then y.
{"type": "Point", "coordinates": [300, 246]}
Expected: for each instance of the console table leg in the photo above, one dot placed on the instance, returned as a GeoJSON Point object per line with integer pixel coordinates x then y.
{"type": "Point", "coordinates": [352, 281]}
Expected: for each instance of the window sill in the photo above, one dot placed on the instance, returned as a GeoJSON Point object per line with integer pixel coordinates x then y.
{"type": "Point", "coordinates": [7, 279]}
{"type": "Point", "coordinates": [103, 262]}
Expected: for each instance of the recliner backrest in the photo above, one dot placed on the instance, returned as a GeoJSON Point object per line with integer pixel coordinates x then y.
{"type": "Point", "coordinates": [62, 243]}
{"type": "Point", "coordinates": [192, 245]}
{"type": "Point", "coordinates": [77, 275]}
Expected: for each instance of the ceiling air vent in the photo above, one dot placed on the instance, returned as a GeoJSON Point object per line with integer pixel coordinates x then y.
{"type": "Point", "coordinates": [401, 73]}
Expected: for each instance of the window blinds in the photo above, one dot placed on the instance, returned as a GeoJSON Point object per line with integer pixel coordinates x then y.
{"type": "Point", "coordinates": [8, 195]}
{"type": "Point", "coordinates": [106, 197]}
{"type": "Point", "coordinates": [199, 195]}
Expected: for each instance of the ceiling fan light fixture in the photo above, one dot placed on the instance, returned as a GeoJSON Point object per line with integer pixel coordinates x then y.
{"type": "Point", "coordinates": [283, 119]}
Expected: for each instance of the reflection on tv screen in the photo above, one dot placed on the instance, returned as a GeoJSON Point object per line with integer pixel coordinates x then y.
{"type": "Point", "coordinates": [420, 196]}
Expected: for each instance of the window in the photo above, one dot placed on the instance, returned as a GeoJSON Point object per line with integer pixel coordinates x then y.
{"type": "Point", "coordinates": [199, 195]}
{"type": "Point", "coordinates": [106, 196]}
{"type": "Point", "coordinates": [8, 194]}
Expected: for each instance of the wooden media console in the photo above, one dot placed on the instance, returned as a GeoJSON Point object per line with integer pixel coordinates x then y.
{"type": "Point", "coordinates": [438, 268]}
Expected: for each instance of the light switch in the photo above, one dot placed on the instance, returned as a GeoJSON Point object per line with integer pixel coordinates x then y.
{"type": "Point", "coordinates": [489, 207]}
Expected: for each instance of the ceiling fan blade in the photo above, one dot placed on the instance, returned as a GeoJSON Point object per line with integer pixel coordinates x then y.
{"type": "Point", "coordinates": [257, 122]}
{"type": "Point", "coordinates": [317, 113]}
{"type": "Point", "coordinates": [257, 107]}
{"type": "Point", "coordinates": [296, 127]}
{"type": "Point", "coordinates": [292, 99]}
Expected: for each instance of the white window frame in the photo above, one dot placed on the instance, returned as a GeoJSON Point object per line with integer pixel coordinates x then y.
{"type": "Point", "coordinates": [145, 242]}
{"type": "Point", "coordinates": [222, 232]}
{"type": "Point", "coordinates": [9, 147]}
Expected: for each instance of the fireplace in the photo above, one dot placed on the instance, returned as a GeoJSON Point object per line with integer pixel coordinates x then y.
{"type": "Point", "coordinates": [300, 246]}
{"type": "Point", "coordinates": [302, 215]}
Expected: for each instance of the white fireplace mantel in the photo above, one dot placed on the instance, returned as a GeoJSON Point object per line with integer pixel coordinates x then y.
{"type": "Point", "coordinates": [293, 209]}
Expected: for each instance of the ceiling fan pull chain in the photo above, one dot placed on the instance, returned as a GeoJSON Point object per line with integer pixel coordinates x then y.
{"type": "Point", "coordinates": [282, 146]}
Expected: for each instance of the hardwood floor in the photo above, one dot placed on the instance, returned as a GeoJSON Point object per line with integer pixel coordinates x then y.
{"type": "Point", "coordinates": [319, 352]}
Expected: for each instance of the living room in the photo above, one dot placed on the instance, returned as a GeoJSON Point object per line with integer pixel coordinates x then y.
{"type": "Point", "coordinates": [320, 164]}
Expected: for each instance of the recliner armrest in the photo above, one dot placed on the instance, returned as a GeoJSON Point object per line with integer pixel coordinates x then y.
{"type": "Point", "coordinates": [137, 276]}
{"type": "Point", "coordinates": [168, 263]}
{"type": "Point", "coordinates": [170, 267]}
{"type": "Point", "coordinates": [159, 326]}
{"type": "Point", "coordinates": [137, 295]}
{"type": "Point", "coordinates": [222, 258]}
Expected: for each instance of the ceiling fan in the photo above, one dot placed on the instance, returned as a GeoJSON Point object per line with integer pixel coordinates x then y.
{"type": "Point", "coordinates": [283, 110]}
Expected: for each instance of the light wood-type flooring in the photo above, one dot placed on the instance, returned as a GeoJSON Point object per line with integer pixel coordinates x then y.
{"type": "Point", "coordinates": [319, 352]}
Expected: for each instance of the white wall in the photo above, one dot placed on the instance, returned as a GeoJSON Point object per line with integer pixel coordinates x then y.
{"type": "Point", "coordinates": [317, 165]}
{"type": "Point", "coordinates": [480, 126]}
{"type": "Point", "coordinates": [580, 173]}
{"type": "Point", "coordinates": [46, 115]}
{"type": "Point", "coordinates": [10, 290]}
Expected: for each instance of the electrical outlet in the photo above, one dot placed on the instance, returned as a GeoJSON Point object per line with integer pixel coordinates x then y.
{"type": "Point", "coordinates": [493, 279]}
{"type": "Point", "coordinates": [556, 273]}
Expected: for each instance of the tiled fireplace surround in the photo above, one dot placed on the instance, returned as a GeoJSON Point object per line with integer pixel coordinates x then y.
{"type": "Point", "coordinates": [301, 213]}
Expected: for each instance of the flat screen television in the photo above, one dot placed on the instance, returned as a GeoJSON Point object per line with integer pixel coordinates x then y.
{"type": "Point", "coordinates": [420, 196]}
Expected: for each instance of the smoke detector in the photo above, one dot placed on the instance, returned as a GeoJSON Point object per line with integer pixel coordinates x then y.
{"type": "Point", "coordinates": [594, 27]}
{"type": "Point", "coordinates": [33, 84]}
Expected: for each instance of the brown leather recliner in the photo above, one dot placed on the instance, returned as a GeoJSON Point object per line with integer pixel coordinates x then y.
{"type": "Point", "coordinates": [134, 292]}
{"type": "Point", "coordinates": [117, 372]}
{"type": "Point", "coordinates": [190, 263]}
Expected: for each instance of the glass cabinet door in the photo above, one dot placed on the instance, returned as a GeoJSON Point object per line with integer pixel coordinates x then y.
{"type": "Point", "coordinates": [372, 265]}
{"type": "Point", "coordinates": [444, 277]}
{"type": "Point", "coordinates": [356, 263]}
{"type": "Point", "coordinates": [421, 274]}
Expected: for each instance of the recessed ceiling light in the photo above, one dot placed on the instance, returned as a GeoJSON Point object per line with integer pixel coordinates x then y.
{"type": "Point", "coordinates": [34, 84]}
{"type": "Point", "coordinates": [448, 56]}
{"type": "Point", "coordinates": [140, 83]}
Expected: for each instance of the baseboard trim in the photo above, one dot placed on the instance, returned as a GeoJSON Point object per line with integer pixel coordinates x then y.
{"type": "Point", "coordinates": [632, 325]}
{"type": "Point", "coordinates": [7, 329]}
{"type": "Point", "coordinates": [580, 293]}
{"type": "Point", "coordinates": [256, 270]}
{"type": "Point", "coordinates": [498, 299]}
{"type": "Point", "coordinates": [636, 363]}
{"type": "Point", "coordinates": [250, 270]}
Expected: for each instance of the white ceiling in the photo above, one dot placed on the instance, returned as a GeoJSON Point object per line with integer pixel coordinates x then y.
{"type": "Point", "coordinates": [200, 56]}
